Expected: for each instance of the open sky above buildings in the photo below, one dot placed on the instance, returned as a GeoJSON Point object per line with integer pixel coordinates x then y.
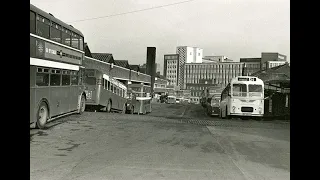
{"type": "Point", "coordinates": [234, 28]}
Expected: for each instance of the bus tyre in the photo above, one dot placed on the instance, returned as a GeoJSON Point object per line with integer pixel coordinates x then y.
{"type": "Point", "coordinates": [124, 109]}
{"type": "Point", "coordinates": [42, 115]}
{"type": "Point", "coordinates": [109, 105]}
{"type": "Point", "coordinates": [132, 109]}
{"type": "Point", "coordinates": [82, 104]}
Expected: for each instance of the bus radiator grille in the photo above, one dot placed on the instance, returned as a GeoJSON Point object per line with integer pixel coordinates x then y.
{"type": "Point", "coordinates": [246, 109]}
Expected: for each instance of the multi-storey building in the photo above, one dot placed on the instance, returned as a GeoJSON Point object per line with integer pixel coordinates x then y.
{"type": "Point", "coordinates": [252, 65]}
{"type": "Point", "coordinates": [272, 59]}
{"type": "Point", "coordinates": [187, 55]}
{"type": "Point", "coordinates": [198, 77]}
{"type": "Point", "coordinates": [271, 64]}
{"type": "Point", "coordinates": [171, 68]}
{"type": "Point", "coordinates": [218, 73]}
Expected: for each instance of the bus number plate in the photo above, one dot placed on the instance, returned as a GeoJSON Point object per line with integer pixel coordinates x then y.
{"type": "Point", "coordinates": [247, 114]}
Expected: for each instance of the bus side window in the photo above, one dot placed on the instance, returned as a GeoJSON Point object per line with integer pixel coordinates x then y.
{"type": "Point", "coordinates": [55, 77]}
{"type": "Point", "coordinates": [32, 22]}
{"type": "Point", "coordinates": [42, 77]}
{"type": "Point", "coordinates": [43, 26]}
{"type": "Point", "coordinates": [65, 78]}
{"type": "Point", "coordinates": [74, 78]}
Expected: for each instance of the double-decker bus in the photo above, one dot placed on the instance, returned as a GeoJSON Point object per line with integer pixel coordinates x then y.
{"type": "Point", "coordinates": [104, 92]}
{"type": "Point", "coordinates": [56, 55]}
{"type": "Point", "coordinates": [243, 97]}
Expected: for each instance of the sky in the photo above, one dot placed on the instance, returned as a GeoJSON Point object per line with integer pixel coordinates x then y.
{"type": "Point", "coordinates": [233, 28]}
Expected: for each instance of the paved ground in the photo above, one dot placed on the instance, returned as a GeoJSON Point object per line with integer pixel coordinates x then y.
{"type": "Point", "coordinates": [172, 142]}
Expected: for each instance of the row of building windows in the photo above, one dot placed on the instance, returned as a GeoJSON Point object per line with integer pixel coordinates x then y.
{"type": "Point", "coordinates": [50, 30]}
{"type": "Point", "coordinates": [171, 71]}
{"type": "Point", "coordinates": [210, 75]}
{"type": "Point", "coordinates": [196, 93]}
{"type": "Point", "coordinates": [171, 57]}
{"type": "Point", "coordinates": [56, 77]}
{"type": "Point", "coordinates": [214, 66]}
{"type": "Point", "coordinates": [172, 67]}
{"type": "Point", "coordinates": [172, 62]}
{"type": "Point", "coordinates": [196, 87]}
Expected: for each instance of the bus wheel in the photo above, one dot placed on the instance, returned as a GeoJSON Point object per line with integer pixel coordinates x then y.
{"type": "Point", "coordinates": [109, 106]}
{"type": "Point", "coordinates": [82, 104]}
{"type": "Point", "coordinates": [124, 109]}
{"type": "Point", "coordinates": [132, 109]}
{"type": "Point", "coordinates": [42, 116]}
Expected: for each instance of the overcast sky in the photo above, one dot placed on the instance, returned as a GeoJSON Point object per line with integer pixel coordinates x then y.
{"type": "Point", "coordinates": [233, 28]}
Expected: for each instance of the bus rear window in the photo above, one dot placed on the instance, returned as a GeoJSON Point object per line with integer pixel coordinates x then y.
{"type": "Point", "coordinates": [90, 80]}
{"type": "Point", "coordinates": [255, 88]}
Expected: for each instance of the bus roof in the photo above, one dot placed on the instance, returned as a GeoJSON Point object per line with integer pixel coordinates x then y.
{"type": "Point", "coordinates": [118, 83]}
{"type": "Point", "coordinates": [52, 18]}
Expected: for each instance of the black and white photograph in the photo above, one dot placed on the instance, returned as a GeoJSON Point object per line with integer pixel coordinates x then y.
{"type": "Point", "coordinates": [160, 89]}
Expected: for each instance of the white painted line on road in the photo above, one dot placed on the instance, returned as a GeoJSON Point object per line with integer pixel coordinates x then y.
{"type": "Point", "coordinates": [212, 129]}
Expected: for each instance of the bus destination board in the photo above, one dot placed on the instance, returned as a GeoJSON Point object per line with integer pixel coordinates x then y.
{"type": "Point", "coordinates": [243, 79]}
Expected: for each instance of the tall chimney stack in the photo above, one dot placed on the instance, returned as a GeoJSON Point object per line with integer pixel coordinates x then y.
{"type": "Point", "coordinates": [151, 66]}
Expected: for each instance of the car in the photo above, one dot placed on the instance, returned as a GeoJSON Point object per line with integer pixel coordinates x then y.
{"type": "Point", "coordinates": [213, 106]}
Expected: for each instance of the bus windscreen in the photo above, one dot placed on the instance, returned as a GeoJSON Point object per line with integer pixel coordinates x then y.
{"type": "Point", "coordinates": [239, 90]}
{"type": "Point", "coordinates": [255, 90]}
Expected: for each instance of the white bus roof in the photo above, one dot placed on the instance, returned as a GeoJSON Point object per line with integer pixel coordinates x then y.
{"type": "Point", "coordinates": [114, 81]}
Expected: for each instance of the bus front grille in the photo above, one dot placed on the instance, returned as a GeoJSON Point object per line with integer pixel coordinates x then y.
{"type": "Point", "coordinates": [247, 109]}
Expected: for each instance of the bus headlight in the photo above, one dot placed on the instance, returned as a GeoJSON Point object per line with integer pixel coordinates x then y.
{"type": "Point", "coordinates": [233, 108]}
{"type": "Point", "coordinates": [260, 110]}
